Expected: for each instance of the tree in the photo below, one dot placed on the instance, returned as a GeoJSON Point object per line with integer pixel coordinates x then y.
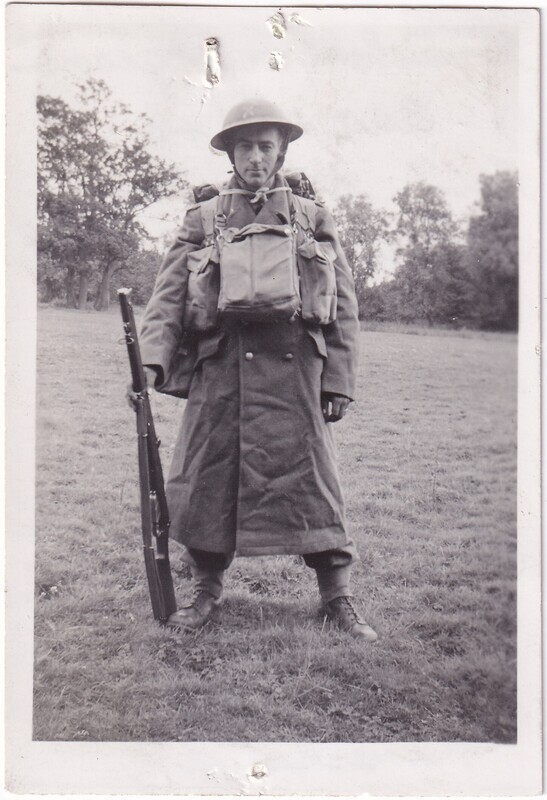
{"type": "Point", "coordinates": [424, 218]}
{"type": "Point", "coordinates": [140, 274]}
{"type": "Point", "coordinates": [432, 287]}
{"type": "Point", "coordinates": [96, 175]}
{"type": "Point", "coordinates": [362, 229]}
{"type": "Point", "coordinates": [493, 243]}
{"type": "Point", "coordinates": [431, 259]}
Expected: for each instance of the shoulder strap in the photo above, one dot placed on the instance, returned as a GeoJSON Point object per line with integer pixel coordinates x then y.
{"type": "Point", "coordinates": [208, 210]}
{"type": "Point", "coordinates": [305, 213]}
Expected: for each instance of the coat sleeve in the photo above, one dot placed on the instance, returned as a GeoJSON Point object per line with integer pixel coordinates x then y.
{"type": "Point", "coordinates": [342, 335]}
{"type": "Point", "coordinates": [162, 328]}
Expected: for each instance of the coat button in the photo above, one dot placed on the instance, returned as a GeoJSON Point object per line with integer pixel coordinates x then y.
{"type": "Point", "coordinates": [249, 356]}
{"type": "Point", "coordinates": [288, 356]}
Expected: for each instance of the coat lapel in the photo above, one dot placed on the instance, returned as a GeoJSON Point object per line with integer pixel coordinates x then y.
{"type": "Point", "coordinates": [239, 211]}
{"type": "Point", "coordinates": [276, 209]}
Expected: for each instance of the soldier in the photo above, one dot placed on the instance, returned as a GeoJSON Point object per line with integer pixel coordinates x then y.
{"type": "Point", "coordinates": [253, 318]}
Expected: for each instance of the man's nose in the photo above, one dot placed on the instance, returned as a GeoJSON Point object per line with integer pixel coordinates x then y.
{"type": "Point", "coordinates": [256, 155]}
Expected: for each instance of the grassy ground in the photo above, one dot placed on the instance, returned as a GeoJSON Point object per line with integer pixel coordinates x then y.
{"type": "Point", "coordinates": [422, 329]}
{"type": "Point", "coordinates": [427, 457]}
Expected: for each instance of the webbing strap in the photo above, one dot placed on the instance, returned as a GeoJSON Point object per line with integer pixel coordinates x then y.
{"type": "Point", "coordinates": [305, 213]}
{"type": "Point", "coordinates": [260, 194]}
{"type": "Point", "coordinates": [305, 210]}
{"type": "Point", "coordinates": [208, 210]}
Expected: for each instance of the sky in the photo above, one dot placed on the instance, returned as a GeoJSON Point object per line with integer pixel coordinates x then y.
{"type": "Point", "coordinates": [385, 96]}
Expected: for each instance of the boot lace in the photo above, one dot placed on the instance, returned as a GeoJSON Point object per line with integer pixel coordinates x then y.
{"type": "Point", "coordinates": [345, 602]}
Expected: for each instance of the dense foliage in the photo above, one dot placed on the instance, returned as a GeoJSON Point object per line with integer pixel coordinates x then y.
{"type": "Point", "coordinates": [442, 275]}
{"type": "Point", "coordinates": [362, 230]}
{"type": "Point", "coordinates": [492, 254]}
{"type": "Point", "coordinates": [96, 174]}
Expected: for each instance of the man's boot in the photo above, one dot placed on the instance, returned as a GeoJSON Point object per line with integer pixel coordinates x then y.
{"type": "Point", "coordinates": [342, 611]}
{"type": "Point", "coordinates": [207, 593]}
{"type": "Point", "coordinates": [338, 607]}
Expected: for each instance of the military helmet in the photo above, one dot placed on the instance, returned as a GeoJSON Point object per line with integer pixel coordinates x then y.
{"type": "Point", "coordinates": [252, 112]}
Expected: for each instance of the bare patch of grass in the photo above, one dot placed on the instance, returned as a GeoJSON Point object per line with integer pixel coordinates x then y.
{"type": "Point", "coordinates": [428, 460]}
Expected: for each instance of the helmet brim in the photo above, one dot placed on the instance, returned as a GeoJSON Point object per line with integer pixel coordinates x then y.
{"type": "Point", "coordinates": [219, 143]}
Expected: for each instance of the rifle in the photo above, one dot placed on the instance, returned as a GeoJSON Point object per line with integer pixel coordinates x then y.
{"type": "Point", "coordinates": [154, 512]}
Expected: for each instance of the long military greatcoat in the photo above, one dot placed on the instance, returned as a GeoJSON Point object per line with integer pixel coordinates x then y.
{"type": "Point", "coordinates": [254, 467]}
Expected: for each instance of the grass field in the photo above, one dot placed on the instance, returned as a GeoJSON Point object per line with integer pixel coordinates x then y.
{"type": "Point", "coordinates": [428, 461]}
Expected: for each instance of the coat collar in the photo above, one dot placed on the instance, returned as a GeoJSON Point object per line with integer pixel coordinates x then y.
{"type": "Point", "coordinates": [239, 211]}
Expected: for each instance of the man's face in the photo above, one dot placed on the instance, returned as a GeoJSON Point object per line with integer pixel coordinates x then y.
{"type": "Point", "coordinates": [256, 150]}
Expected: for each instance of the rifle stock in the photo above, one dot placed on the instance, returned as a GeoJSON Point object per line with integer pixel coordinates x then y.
{"type": "Point", "coordinates": [154, 511]}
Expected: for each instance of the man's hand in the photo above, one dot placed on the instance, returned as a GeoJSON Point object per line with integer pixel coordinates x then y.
{"type": "Point", "coordinates": [150, 374]}
{"type": "Point", "coordinates": [333, 406]}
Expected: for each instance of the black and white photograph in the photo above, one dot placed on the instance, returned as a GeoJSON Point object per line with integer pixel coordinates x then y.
{"type": "Point", "coordinates": [273, 352]}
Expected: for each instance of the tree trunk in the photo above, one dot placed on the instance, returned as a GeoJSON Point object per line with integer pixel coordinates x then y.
{"type": "Point", "coordinates": [70, 289]}
{"type": "Point", "coordinates": [82, 293]}
{"type": "Point", "coordinates": [46, 293]}
{"type": "Point", "coordinates": [102, 300]}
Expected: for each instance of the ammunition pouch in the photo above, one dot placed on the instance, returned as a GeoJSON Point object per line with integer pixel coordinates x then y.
{"type": "Point", "coordinates": [200, 307]}
{"type": "Point", "coordinates": [317, 281]}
